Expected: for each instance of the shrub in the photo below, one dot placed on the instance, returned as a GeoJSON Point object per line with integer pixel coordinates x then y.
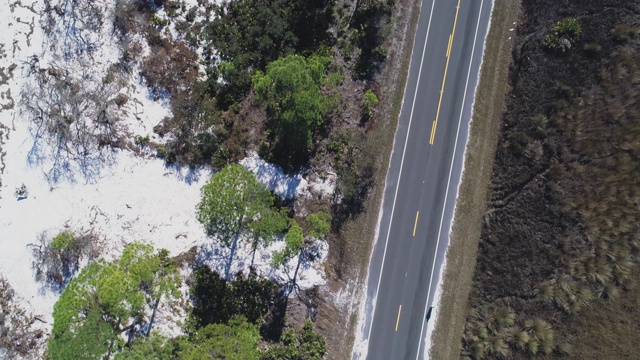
{"type": "Point", "coordinates": [161, 152]}
{"type": "Point", "coordinates": [370, 101]}
{"type": "Point", "coordinates": [141, 140]}
{"type": "Point", "coordinates": [63, 241]}
{"type": "Point", "coordinates": [563, 35]}
{"type": "Point", "coordinates": [625, 32]}
{"type": "Point", "coordinates": [290, 88]}
{"type": "Point", "coordinates": [318, 224]}
{"type": "Point", "coordinates": [55, 262]}
{"type": "Point", "coordinates": [592, 48]}
{"type": "Point", "coordinates": [159, 22]}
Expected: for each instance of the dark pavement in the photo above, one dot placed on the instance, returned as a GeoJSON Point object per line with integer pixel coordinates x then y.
{"type": "Point", "coordinates": [423, 176]}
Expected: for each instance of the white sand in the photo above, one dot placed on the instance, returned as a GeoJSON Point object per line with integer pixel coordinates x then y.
{"type": "Point", "coordinates": [130, 198]}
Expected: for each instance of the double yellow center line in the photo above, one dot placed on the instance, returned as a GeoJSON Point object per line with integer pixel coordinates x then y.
{"type": "Point", "coordinates": [444, 78]}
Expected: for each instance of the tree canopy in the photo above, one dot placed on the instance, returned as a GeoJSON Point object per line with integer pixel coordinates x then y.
{"type": "Point", "coordinates": [303, 344]}
{"type": "Point", "coordinates": [318, 224]}
{"type": "Point", "coordinates": [249, 34]}
{"type": "Point", "coordinates": [107, 299]}
{"type": "Point", "coordinates": [290, 88]}
{"type": "Point", "coordinates": [293, 243]}
{"type": "Point", "coordinates": [236, 340]}
{"type": "Point", "coordinates": [234, 202]}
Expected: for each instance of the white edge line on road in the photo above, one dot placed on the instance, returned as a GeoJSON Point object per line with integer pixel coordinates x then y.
{"type": "Point", "coordinates": [404, 150]}
{"type": "Point", "coordinates": [464, 96]}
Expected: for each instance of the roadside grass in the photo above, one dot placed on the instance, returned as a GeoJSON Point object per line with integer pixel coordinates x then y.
{"type": "Point", "coordinates": [476, 180]}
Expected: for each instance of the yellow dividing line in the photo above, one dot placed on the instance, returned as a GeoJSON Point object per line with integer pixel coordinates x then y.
{"type": "Point", "coordinates": [415, 225]}
{"type": "Point", "coordinates": [398, 321]}
{"type": "Point", "coordinates": [444, 78]}
{"type": "Point", "coordinates": [433, 131]}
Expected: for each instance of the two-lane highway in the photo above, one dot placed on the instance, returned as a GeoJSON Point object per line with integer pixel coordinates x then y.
{"type": "Point", "coordinates": [423, 176]}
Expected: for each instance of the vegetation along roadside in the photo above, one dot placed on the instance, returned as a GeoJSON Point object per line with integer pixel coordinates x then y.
{"type": "Point", "coordinates": [557, 236]}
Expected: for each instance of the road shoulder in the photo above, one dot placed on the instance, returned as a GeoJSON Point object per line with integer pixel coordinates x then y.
{"type": "Point", "coordinates": [472, 195]}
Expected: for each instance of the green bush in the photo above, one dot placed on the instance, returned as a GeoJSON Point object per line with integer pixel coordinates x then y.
{"type": "Point", "coordinates": [318, 224]}
{"type": "Point", "coordinates": [370, 101]}
{"type": "Point", "coordinates": [159, 22]}
{"type": "Point", "coordinates": [141, 140]}
{"type": "Point", "coordinates": [290, 88]}
{"type": "Point", "coordinates": [63, 241]}
{"type": "Point", "coordinates": [161, 152]}
{"type": "Point", "coordinates": [564, 33]}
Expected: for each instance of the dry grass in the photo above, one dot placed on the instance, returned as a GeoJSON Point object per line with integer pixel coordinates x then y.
{"type": "Point", "coordinates": [472, 197]}
{"type": "Point", "coordinates": [610, 329]}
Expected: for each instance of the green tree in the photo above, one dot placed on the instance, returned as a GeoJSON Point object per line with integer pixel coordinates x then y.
{"type": "Point", "coordinates": [318, 225]}
{"type": "Point", "coordinates": [155, 346]}
{"type": "Point", "coordinates": [296, 106]}
{"type": "Point", "coordinates": [107, 299]}
{"type": "Point", "coordinates": [303, 344]}
{"type": "Point", "coordinates": [249, 34]}
{"type": "Point", "coordinates": [234, 202]}
{"type": "Point", "coordinates": [293, 244]}
{"type": "Point", "coordinates": [237, 340]}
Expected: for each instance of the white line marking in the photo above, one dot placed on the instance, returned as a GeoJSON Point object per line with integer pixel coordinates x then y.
{"type": "Point", "coordinates": [464, 96]}
{"type": "Point", "coordinates": [404, 150]}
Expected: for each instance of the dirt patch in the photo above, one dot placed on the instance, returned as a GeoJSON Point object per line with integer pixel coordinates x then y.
{"type": "Point", "coordinates": [484, 131]}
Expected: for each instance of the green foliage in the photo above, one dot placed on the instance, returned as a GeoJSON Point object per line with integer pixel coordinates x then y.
{"type": "Point", "coordinates": [98, 304]}
{"type": "Point", "coordinates": [334, 80]}
{"type": "Point", "coordinates": [269, 224]}
{"type": "Point", "coordinates": [318, 224]}
{"type": "Point", "coordinates": [159, 22]}
{"type": "Point", "coordinates": [216, 301]}
{"type": "Point", "coordinates": [303, 344]}
{"type": "Point", "coordinates": [370, 24]}
{"type": "Point", "coordinates": [141, 140]}
{"type": "Point", "coordinates": [293, 243]}
{"type": "Point", "coordinates": [233, 201]}
{"type": "Point", "coordinates": [370, 101]}
{"type": "Point", "coordinates": [237, 340]}
{"type": "Point", "coordinates": [155, 346]}
{"type": "Point", "coordinates": [252, 33]}
{"type": "Point", "coordinates": [565, 30]}
{"type": "Point", "coordinates": [63, 241]}
{"type": "Point", "coordinates": [291, 90]}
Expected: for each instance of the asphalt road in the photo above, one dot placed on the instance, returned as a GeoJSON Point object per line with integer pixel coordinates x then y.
{"type": "Point", "coordinates": [423, 176]}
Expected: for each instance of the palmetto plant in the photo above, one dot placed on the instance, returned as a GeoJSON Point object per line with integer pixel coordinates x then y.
{"type": "Point", "coordinates": [504, 317]}
{"type": "Point", "coordinates": [521, 339]}
{"type": "Point", "coordinates": [497, 346]}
